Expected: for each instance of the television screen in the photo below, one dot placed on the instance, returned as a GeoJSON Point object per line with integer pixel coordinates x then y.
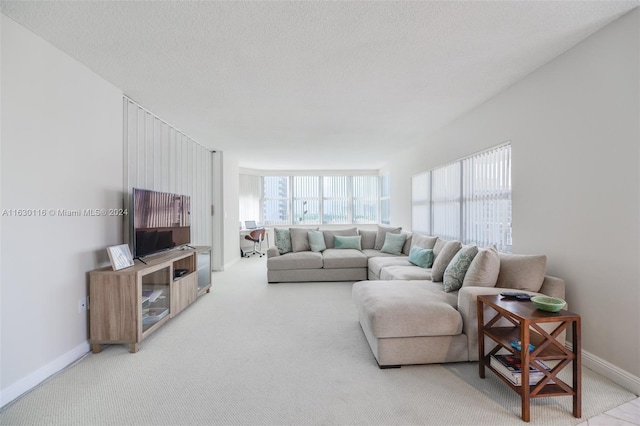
{"type": "Point", "coordinates": [161, 221]}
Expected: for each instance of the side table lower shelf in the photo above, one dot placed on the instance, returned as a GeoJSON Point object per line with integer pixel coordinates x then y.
{"type": "Point", "coordinates": [526, 326]}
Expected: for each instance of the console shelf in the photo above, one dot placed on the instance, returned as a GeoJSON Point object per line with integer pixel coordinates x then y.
{"type": "Point", "coordinates": [128, 305]}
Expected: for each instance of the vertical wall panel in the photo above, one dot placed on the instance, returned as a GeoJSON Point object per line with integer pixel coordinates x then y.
{"type": "Point", "coordinates": [161, 158]}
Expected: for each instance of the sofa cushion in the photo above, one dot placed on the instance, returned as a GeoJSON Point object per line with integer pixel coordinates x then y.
{"type": "Point", "coordinates": [382, 234]}
{"type": "Point", "coordinates": [522, 271]}
{"type": "Point", "coordinates": [484, 269]}
{"type": "Point", "coordinates": [405, 272]}
{"type": "Point", "coordinates": [283, 240]}
{"type": "Point", "coordinates": [406, 248]}
{"type": "Point", "coordinates": [343, 258]}
{"type": "Point", "coordinates": [442, 259]}
{"type": "Point", "coordinates": [316, 241]}
{"type": "Point", "coordinates": [393, 243]}
{"type": "Point", "coordinates": [423, 241]}
{"type": "Point", "coordinates": [368, 239]}
{"type": "Point", "coordinates": [438, 246]}
{"type": "Point", "coordinates": [376, 264]}
{"type": "Point", "coordinates": [342, 242]}
{"type": "Point", "coordinates": [421, 257]}
{"type": "Point", "coordinates": [300, 260]}
{"type": "Point", "coordinates": [299, 239]}
{"type": "Point", "coordinates": [329, 234]}
{"type": "Point", "coordinates": [407, 308]}
{"type": "Point", "coordinates": [457, 269]}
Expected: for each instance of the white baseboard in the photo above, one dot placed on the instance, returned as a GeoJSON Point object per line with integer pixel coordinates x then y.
{"type": "Point", "coordinates": [24, 385]}
{"type": "Point", "coordinates": [610, 371]}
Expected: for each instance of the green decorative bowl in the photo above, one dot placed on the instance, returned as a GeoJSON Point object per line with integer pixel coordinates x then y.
{"type": "Point", "coordinates": [549, 304]}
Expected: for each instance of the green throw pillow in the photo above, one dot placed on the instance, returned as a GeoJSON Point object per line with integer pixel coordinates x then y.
{"type": "Point", "coordinates": [457, 268]}
{"type": "Point", "coordinates": [393, 243]}
{"type": "Point", "coordinates": [283, 240]}
{"type": "Point", "coordinates": [316, 241]}
{"type": "Point", "coordinates": [421, 257]}
{"type": "Point", "coordinates": [341, 242]}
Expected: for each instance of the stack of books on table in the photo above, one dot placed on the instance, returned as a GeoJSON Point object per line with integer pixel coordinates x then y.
{"type": "Point", "coordinates": [511, 368]}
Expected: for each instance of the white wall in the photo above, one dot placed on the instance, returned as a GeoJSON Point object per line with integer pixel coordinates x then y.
{"type": "Point", "coordinates": [61, 149]}
{"type": "Point", "coordinates": [574, 127]}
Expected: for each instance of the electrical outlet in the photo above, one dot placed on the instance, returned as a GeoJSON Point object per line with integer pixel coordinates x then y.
{"type": "Point", "coordinates": [82, 305]}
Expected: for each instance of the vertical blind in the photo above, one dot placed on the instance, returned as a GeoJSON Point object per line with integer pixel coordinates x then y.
{"type": "Point", "coordinates": [161, 158]}
{"type": "Point", "coordinates": [421, 203]}
{"type": "Point", "coordinates": [469, 200]}
{"type": "Point", "coordinates": [385, 199]}
{"type": "Point", "coordinates": [487, 198]}
{"type": "Point", "coordinates": [276, 200]}
{"type": "Point", "coordinates": [250, 196]}
{"type": "Point", "coordinates": [306, 199]}
{"type": "Point", "coordinates": [445, 201]}
{"type": "Point", "coordinates": [311, 200]}
{"type": "Point", "coordinates": [336, 199]}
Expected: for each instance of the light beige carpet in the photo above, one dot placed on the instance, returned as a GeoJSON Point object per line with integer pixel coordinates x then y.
{"type": "Point", "coordinates": [250, 353]}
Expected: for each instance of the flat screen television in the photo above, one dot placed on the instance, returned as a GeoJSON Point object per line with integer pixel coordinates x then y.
{"type": "Point", "coordinates": [161, 221]}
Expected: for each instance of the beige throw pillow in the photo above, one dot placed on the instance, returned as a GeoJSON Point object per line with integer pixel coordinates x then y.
{"type": "Point", "coordinates": [438, 246]}
{"type": "Point", "coordinates": [522, 271]}
{"type": "Point", "coordinates": [423, 241]}
{"type": "Point", "coordinates": [442, 260]}
{"type": "Point", "coordinates": [484, 269]}
{"type": "Point", "coordinates": [368, 238]}
{"type": "Point", "coordinates": [382, 234]}
{"type": "Point", "coordinates": [300, 239]}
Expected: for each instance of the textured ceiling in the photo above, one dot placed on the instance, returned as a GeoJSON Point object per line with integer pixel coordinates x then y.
{"type": "Point", "coordinates": [312, 84]}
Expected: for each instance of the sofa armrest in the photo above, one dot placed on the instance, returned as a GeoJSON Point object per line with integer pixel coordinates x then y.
{"type": "Point", "coordinates": [273, 252]}
{"type": "Point", "coordinates": [468, 308]}
{"type": "Point", "coordinates": [552, 286]}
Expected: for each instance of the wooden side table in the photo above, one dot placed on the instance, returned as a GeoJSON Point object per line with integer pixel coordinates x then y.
{"type": "Point", "coordinates": [526, 322]}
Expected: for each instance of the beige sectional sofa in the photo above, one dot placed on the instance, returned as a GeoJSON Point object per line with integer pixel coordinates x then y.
{"type": "Point", "coordinates": [298, 262]}
{"type": "Point", "coordinates": [413, 314]}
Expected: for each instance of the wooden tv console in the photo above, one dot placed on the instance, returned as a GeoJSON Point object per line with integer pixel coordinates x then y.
{"type": "Point", "coordinates": [128, 305]}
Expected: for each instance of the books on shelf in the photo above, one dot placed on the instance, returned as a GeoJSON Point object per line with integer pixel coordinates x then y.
{"type": "Point", "coordinates": [153, 315]}
{"type": "Point", "coordinates": [151, 295]}
{"type": "Point", "coordinates": [511, 367]}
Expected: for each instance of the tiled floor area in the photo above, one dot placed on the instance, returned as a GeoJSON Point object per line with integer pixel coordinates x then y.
{"type": "Point", "coordinates": [624, 415]}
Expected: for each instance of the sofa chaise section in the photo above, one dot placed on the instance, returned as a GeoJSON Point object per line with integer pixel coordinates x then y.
{"type": "Point", "coordinates": [422, 321]}
{"type": "Point", "coordinates": [410, 322]}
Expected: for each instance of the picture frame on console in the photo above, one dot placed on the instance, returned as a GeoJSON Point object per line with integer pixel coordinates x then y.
{"type": "Point", "coordinates": [120, 256]}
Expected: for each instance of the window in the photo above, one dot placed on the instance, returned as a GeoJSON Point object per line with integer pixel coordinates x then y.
{"type": "Point", "coordinates": [469, 200]}
{"type": "Point", "coordinates": [306, 199]}
{"type": "Point", "coordinates": [250, 196]}
{"type": "Point", "coordinates": [445, 201]}
{"type": "Point", "coordinates": [335, 200]}
{"type": "Point", "coordinates": [366, 199]}
{"type": "Point", "coordinates": [276, 200]}
{"type": "Point", "coordinates": [486, 198]}
{"type": "Point", "coordinates": [385, 199]}
{"type": "Point", "coordinates": [310, 200]}
{"type": "Point", "coordinates": [421, 203]}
